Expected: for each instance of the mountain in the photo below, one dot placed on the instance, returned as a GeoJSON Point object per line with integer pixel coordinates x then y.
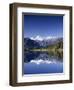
{"type": "Point", "coordinates": [29, 44]}
{"type": "Point", "coordinates": [38, 42]}
{"type": "Point", "coordinates": [43, 42]}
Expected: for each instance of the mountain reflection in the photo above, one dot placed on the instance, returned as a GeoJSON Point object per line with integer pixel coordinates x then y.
{"type": "Point", "coordinates": [50, 56]}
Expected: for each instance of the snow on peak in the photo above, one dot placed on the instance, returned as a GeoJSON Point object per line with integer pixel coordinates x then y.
{"type": "Point", "coordinates": [49, 37]}
{"type": "Point", "coordinates": [37, 38]}
{"type": "Point", "coordinates": [42, 38]}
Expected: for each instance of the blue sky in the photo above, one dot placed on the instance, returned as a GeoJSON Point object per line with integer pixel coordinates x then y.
{"type": "Point", "coordinates": [43, 26]}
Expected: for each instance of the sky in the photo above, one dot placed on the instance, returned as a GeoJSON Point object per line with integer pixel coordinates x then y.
{"type": "Point", "coordinates": [43, 25]}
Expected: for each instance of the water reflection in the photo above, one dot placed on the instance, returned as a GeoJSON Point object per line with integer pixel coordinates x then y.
{"type": "Point", "coordinates": [36, 62]}
{"type": "Point", "coordinates": [33, 55]}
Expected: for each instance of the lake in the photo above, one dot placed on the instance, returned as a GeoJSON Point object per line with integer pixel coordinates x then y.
{"type": "Point", "coordinates": [36, 62]}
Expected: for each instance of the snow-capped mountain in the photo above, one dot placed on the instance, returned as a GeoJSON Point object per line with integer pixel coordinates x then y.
{"type": "Point", "coordinates": [47, 40]}
{"type": "Point", "coordinates": [38, 41]}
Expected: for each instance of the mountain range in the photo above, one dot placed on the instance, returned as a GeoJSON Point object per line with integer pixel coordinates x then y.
{"type": "Point", "coordinates": [39, 42]}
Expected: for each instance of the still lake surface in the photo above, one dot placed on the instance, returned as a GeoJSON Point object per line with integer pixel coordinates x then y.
{"type": "Point", "coordinates": [42, 63]}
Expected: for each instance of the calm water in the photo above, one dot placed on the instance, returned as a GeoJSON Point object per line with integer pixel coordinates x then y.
{"type": "Point", "coordinates": [42, 62]}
